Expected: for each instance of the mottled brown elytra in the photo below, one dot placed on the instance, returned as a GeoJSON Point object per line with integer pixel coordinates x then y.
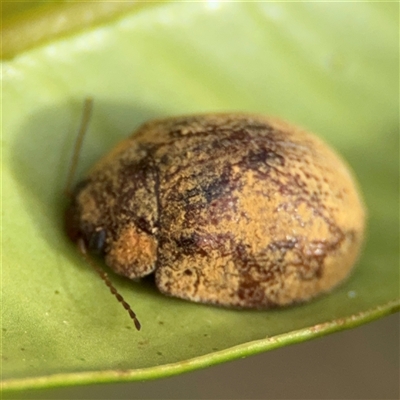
{"type": "Point", "coordinates": [236, 210]}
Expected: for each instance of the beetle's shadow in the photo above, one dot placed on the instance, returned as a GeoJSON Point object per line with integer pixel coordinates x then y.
{"type": "Point", "coordinates": [40, 158]}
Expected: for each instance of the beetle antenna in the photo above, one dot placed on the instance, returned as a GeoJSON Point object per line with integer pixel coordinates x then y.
{"type": "Point", "coordinates": [87, 112]}
{"type": "Point", "coordinates": [103, 275]}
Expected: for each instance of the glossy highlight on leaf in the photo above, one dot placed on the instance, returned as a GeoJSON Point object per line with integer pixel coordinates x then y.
{"type": "Point", "coordinates": [330, 67]}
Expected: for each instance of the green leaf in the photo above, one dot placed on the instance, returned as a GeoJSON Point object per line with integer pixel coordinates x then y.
{"type": "Point", "coordinates": [330, 67]}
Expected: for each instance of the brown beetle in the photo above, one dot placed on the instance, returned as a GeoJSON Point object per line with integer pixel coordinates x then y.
{"type": "Point", "coordinates": [237, 210]}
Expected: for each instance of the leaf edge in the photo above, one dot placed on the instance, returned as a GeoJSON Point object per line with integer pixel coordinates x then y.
{"type": "Point", "coordinates": [215, 358]}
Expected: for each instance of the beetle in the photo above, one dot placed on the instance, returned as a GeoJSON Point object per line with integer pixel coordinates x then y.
{"type": "Point", "coordinates": [232, 209]}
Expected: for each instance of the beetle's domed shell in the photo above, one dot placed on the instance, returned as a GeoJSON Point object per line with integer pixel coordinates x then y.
{"type": "Point", "coordinates": [232, 209]}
